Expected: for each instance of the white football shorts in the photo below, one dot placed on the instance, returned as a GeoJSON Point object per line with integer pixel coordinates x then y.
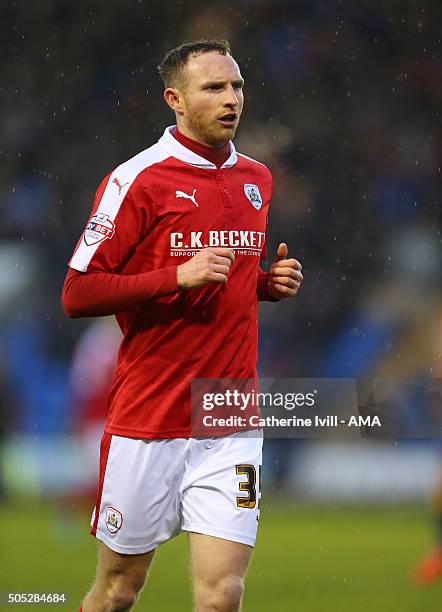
{"type": "Point", "coordinates": [151, 490]}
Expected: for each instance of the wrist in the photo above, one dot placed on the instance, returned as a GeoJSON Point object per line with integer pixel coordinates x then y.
{"type": "Point", "coordinates": [181, 279]}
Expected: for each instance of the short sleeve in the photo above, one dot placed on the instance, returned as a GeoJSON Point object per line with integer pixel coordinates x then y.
{"type": "Point", "coordinates": [121, 215]}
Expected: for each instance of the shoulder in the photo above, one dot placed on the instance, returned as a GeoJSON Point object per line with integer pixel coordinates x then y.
{"type": "Point", "coordinates": [246, 161]}
{"type": "Point", "coordinates": [117, 184]}
{"type": "Point", "coordinates": [129, 170]}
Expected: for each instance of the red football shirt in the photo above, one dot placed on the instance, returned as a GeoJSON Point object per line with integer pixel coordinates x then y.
{"type": "Point", "coordinates": [154, 212]}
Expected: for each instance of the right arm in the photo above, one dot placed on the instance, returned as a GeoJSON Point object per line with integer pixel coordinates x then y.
{"type": "Point", "coordinates": [94, 287]}
{"type": "Point", "coordinates": [97, 294]}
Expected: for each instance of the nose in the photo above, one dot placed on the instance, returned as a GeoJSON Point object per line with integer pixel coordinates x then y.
{"type": "Point", "coordinates": [231, 97]}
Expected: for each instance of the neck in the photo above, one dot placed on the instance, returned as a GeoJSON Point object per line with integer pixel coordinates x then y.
{"type": "Point", "coordinates": [216, 155]}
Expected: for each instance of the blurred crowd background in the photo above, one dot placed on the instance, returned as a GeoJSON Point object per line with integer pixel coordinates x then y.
{"type": "Point", "coordinates": [342, 102]}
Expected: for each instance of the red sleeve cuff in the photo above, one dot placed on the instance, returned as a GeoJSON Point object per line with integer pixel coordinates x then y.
{"type": "Point", "coordinates": [261, 288]}
{"type": "Point", "coordinates": [160, 282]}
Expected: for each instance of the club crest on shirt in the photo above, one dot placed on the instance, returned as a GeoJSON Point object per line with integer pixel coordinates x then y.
{"type": "Point", "coordinates": [252, 193]}
{"type": "Point", "coordinates": [98, 229]}
{"type": "Point", "coordinates": [114, 519]}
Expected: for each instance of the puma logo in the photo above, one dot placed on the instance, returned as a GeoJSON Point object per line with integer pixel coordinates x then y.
{"type": "Point", "coordinates": [120, 187]}
{"type": "Point", "coordinates": [181, 194]}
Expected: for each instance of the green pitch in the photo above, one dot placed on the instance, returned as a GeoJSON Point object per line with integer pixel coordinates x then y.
{"type": "Point", "coordinates": [308, 559]}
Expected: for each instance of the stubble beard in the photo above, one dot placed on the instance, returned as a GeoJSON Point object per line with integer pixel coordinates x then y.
{"type": "Point", "coordinates": [207, 131]}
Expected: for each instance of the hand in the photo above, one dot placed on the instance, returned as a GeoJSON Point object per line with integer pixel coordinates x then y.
{"type": "Point", "coordinates": [208, 266]}
{"type": "Point", "coordinates": [285, 276]}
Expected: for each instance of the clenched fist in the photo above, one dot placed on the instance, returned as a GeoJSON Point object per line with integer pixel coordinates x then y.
{"type": "Point", "coordinates": [208, 266]}
{"type": "Point", "coordinates": [285, 276]}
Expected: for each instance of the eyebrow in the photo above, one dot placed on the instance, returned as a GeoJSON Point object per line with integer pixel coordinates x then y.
{"type": "Point", "coordinates": [214, 83]}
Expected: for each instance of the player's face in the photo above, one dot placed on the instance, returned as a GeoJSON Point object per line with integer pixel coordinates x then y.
{"type": "Point", "coordinates": [213, 98]}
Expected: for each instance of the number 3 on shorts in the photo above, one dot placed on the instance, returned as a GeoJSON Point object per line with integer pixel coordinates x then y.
{"type": "Point", "coordinates": [248, 486]}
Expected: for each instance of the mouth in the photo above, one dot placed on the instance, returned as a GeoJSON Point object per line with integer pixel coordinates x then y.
{"type": "Point", "coordinates": [228, 120]}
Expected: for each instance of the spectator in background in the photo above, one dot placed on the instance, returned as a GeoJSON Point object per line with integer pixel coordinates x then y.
{"type": "Point", "coordinates": [93, 366]}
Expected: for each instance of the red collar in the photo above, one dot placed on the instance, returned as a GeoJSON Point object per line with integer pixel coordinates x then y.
{"type": "Point", "coordinates": [217, 156]}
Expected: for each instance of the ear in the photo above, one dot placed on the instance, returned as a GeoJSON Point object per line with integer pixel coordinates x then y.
{"type": "Point", "coordinates": [175, 100]}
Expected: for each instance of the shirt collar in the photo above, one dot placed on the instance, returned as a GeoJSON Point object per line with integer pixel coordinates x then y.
{"type": "Point", "coordinates": [176, 149]}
